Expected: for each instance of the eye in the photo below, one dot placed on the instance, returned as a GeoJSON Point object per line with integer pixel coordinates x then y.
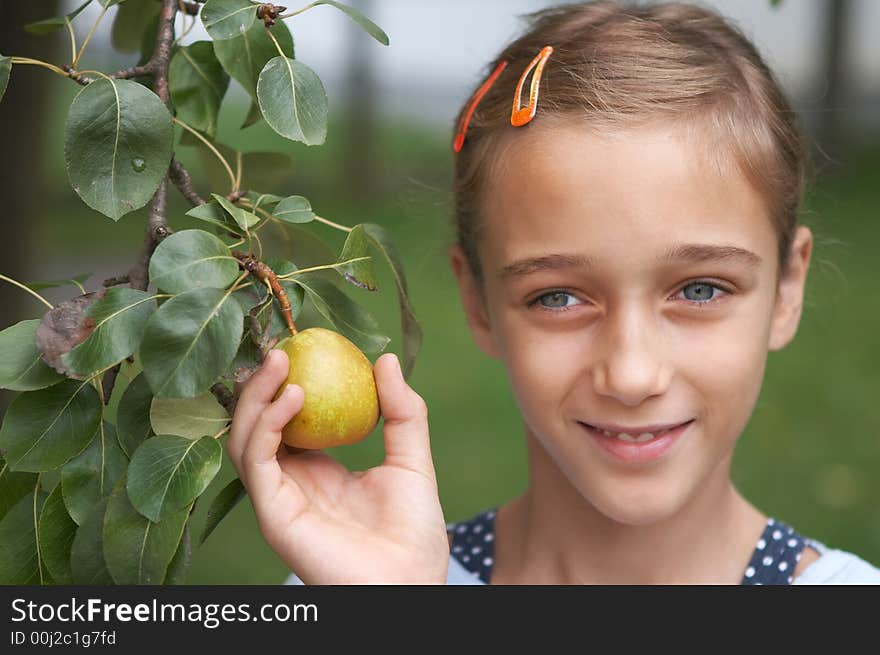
{"type": "Point", "coordinates": [701, 292]}
{"type": "Point", "coordinates": [555, 301]}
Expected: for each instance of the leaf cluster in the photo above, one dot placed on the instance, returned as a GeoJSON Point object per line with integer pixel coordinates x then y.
{"type": "Point", "coordinates": [87, 499]}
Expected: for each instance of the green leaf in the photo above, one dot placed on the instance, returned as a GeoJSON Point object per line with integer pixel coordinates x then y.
{"type": "Point", "coordinates": [243, 218]}
{"type": "Point", "coordinates": [77, 281]}
{"type": "Point", "coordinates": [43, 429]}
{"type": "Point", "coordinates": [133, 414]}
{"type": "Point", "coordinates": [19, 557]}
{"type": "Point", "coordinates": [369, 26]}
{"type": "Point", "coordinates": [192, 259]}
{"type": "Point", "coordinates": [56, 534]}
{"type": "Point", "coordinates": [21, 364]}
{"type": "Point", "coordinates": [344, 314]}
{"type": "Point", "coordinates": [254, 114]}
{"type": "Point", "coordinates": [5, 70]}
{"type": "Point", "coordinates": [52, 24]}
{"type": "Point", "coordinates": [119, 318]}
{"type": "Point", "coordinates": [130, 24]}
{"type": "Point", "coordinates": [213, 213]}
{"type": "Point", "coordinates": [197, 84]}
{"type": "Point", "coordinates": [190, 341]}
{"type": "Point", "coordinates": [359, 273]}
{"type": "Point", "coordinates": [168, 472]}
{"type": "Point", "coordinates": [244, 56]}
{"type": "Point", "coordinates": [13, 486]}
{"type": "Point", "coordinates": [90, 476]}
{"type": "Point", "coordinates": [409, 325]}
{"type": "Point", "coordinates": [117, 145]}
{"type": "Point", "coordinates": [225, 19]}
{"type": "Point", "coordinates": [179, 565]}
{"type": "Point", "coordinates": [224, 502]}
{"type": "Point", "coordinates": [294, 209]}
{"type": "Point", "coordinates": [264, 200]}
{"type": "Point", "coordinates": [188, 417]}
{"type": "Point", "coordinates": [293, 100]}
{"type": "Point", "coordinates": [87, 563]}
{"type": "Point", "coordinates": [137, 550]}
{"type": "Point", "coordinates": [149, 33]}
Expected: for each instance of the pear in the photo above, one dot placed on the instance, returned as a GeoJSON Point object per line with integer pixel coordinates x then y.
{"type": "Point", "coordinates": [341, 405]}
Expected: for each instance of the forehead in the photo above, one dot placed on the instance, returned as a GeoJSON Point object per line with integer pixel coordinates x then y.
{"type": "Point", "coordinates": [624, 196]}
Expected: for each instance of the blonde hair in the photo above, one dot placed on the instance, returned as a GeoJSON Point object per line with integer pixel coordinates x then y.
{"type": "Point", "coordinates": [615, 66]}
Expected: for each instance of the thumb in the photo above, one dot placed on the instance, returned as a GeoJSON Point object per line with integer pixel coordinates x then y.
{"type": "Point", "coordinates": [405, 419]}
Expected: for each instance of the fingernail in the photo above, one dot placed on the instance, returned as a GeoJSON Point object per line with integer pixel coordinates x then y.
{"type": "Point", "coordinates": [397, 361]}
{"type": "Point", "coordinates": [289, 390]}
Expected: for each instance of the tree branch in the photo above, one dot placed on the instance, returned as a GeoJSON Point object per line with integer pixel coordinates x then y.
{"type": "Point", "coordinates": [113, 281]}
{"type": "Point", "coordinates": [225, 397]}
{"type": "Point", "coordinates": [162, 54]}
{"type": "Point", "coordinates": [135, 71]}
{"type": "Point", "coordinates": [180, 177]}
{"type": "Point", "coordinates": [157, 227]}
{"type": "Point", "coordinates": [157, 230]}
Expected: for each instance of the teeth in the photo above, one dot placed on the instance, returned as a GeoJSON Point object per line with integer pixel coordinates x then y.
{"type": "Point", "coordinates": [639, 438]}
{"type": "Point", "coordinates": [647, 436]}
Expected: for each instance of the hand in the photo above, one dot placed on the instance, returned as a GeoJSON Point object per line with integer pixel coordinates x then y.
{"type": "Point", "coordinates": [331, 525]}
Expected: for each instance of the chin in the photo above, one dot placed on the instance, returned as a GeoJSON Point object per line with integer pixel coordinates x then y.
{"type": "Point", "coordinates": [635, 507]}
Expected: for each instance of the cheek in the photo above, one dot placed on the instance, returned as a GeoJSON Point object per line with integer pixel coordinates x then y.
{"type": "Point", "coordinates": [725, 363]}
{"type": "Point", "coordinates": [541, 368]}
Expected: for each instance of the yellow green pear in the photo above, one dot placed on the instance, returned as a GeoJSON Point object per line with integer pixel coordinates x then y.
{"type": "Point", "coordinates": [341, 404]}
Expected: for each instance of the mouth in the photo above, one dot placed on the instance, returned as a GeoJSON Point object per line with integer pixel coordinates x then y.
{"type": "Point", "coordinates": [636, 435]}
{"type": "Point", "coordinates": [637, 446]}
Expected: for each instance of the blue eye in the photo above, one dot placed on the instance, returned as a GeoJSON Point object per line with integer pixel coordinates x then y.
{"type": "Point", "coordinates": [701, 293]}
{"type": "Point", "coordinates": [555, 301]}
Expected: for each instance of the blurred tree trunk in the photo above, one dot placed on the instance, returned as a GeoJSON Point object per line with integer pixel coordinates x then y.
{"type": "Point", "coordinates": [360, 156]}
{"type": "Point", "coordinates": [22, 113]}
{"type": "Point", "coordinates": [836, 16]}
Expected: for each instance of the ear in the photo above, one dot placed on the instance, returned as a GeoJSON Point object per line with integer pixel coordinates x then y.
{"type": "Point", "coordinates": [472, 302]}
{"type": "Point", "coordinates": [790, 292]}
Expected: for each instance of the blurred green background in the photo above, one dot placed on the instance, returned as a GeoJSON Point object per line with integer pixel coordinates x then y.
{"type": "Point", "coordinates": [810, 455]}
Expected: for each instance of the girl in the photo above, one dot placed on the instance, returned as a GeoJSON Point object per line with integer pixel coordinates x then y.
{"type": "Point", "coordinates": [628, 246]}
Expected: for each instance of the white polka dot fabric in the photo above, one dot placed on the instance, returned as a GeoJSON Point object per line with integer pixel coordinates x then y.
{"type": "Point", "coordinates": [776, 555]}
{"type": "Point", "coordinates": [773, 561]}
{"type": "Point", "coordinates": [473, 543]}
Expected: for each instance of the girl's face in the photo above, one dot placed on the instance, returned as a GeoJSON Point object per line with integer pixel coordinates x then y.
{"type": "Point", "coordinates": [629, 285]}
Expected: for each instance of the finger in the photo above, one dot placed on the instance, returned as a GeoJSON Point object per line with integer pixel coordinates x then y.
{"type": "Point", "coordinates": [259, 459]}
{"type": "Point", "coordinates": [257, 394]}
{"type": "Point", "coordinates": [405, 417]}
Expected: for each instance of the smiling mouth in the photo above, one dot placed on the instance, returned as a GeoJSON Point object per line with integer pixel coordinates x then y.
{"type": "Point", "coordinates": [642, 437]}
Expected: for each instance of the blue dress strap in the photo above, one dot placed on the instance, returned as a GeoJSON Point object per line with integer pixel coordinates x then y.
{"type": "Point", "coordinates": [777, 553]}
{"type": "Point", "coordinates": [473, 543]}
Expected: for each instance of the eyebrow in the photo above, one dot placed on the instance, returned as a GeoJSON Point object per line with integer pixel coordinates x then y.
{"type": "Point", "coordinates": [692, 253]}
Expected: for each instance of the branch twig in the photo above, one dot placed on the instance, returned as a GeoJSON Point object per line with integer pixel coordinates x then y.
{"type": "Point", "coordinates": [225, 397]}
{"type": "Point", "coordinates": [157, 226]}
{"type": "Point", "coordinates": [114, 281]}
{"type": "Point", "coordinates": [180, 177]}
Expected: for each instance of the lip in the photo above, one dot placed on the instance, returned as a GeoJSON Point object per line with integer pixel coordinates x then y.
{"type": "Point", "coordinates": [641, 429]}
{"type": "Point", "coordinates": [630, 452]}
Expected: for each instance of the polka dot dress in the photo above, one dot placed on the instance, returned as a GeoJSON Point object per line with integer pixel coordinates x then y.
{"type": "Point", "coordinates": [773, 561]}
{"type": "Point", "coordinates": [473, 544]}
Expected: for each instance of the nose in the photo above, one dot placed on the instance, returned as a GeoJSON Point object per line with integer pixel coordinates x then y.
{"type": "Point", "coordinates": [632, 365]}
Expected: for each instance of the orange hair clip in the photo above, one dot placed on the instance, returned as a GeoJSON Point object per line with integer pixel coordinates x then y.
{"type": "Point", "coordinates": [520, 115]}
{"type": "Point", "coordinates": [475, 100]}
